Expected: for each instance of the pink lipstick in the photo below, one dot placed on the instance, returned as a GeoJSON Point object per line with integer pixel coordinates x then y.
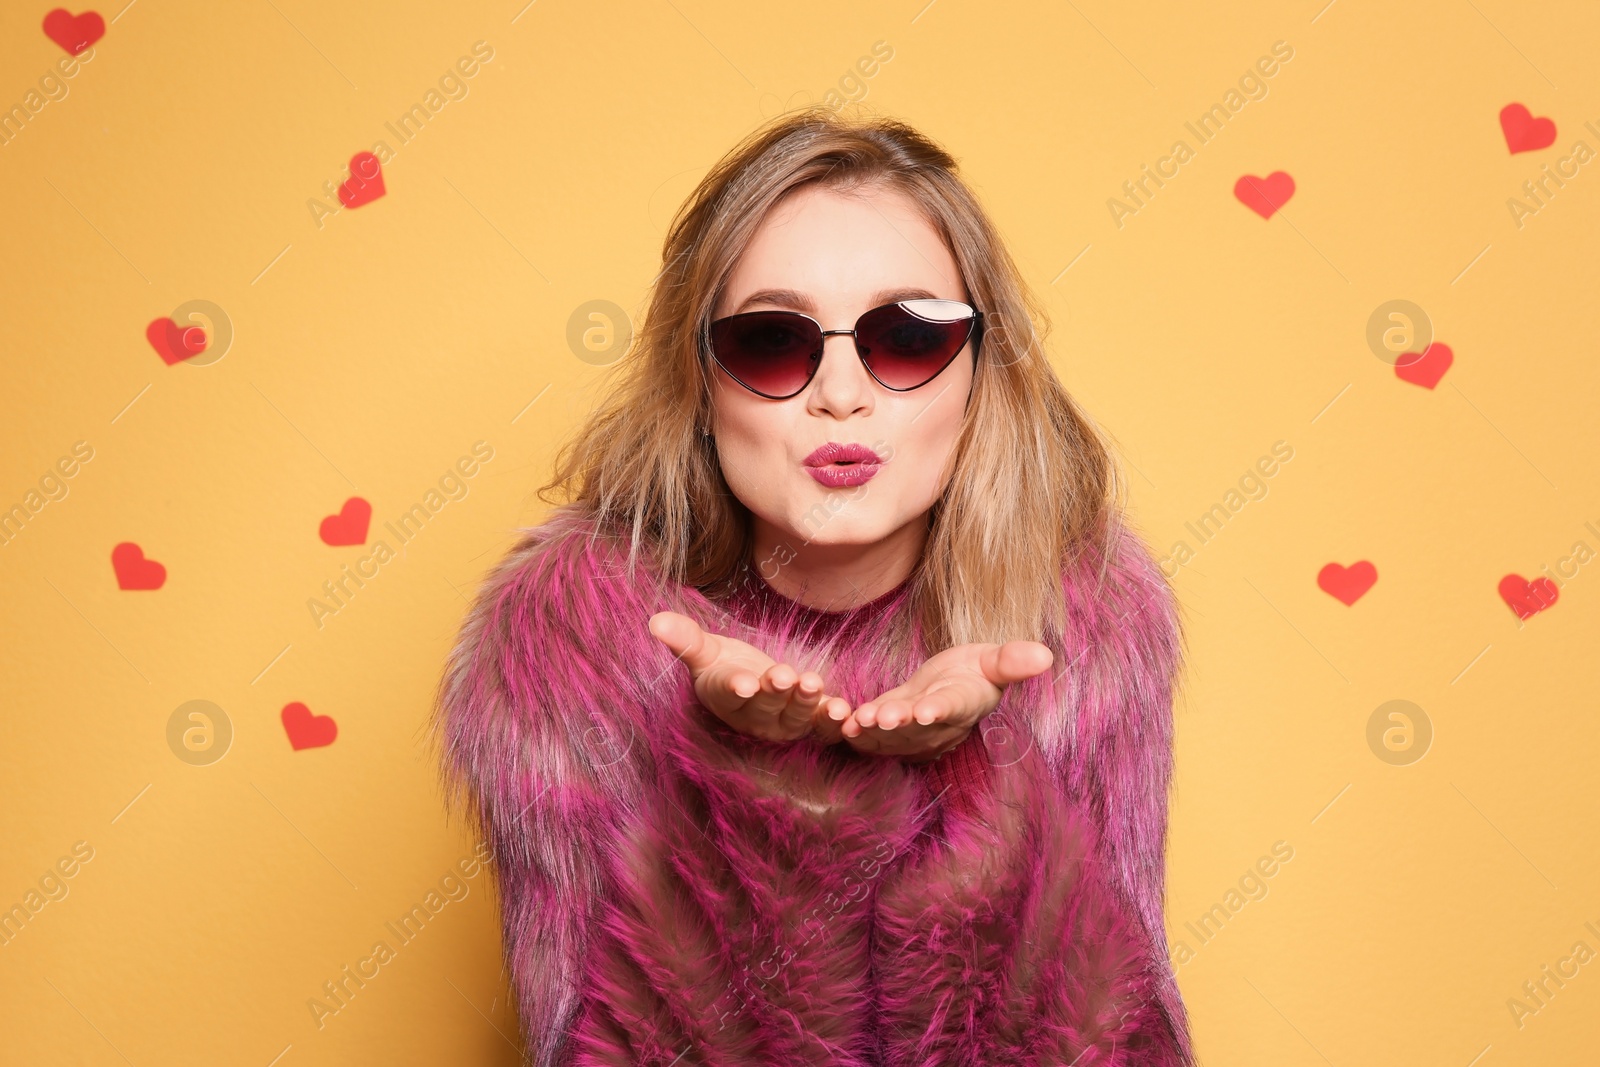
{"type": "Point", "coordinates": [841, 466]}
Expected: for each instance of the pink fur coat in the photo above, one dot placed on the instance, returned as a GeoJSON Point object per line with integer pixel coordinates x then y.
{"type": "Point", "coordinates": [675, 893]}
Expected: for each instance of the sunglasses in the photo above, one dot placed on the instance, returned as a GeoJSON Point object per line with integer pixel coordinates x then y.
{"type": "Point", "coordinates": [904, 345]}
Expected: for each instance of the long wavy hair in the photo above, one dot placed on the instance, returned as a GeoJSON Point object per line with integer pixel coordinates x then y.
{"type": "Point", "coordinates": [1032, 484]}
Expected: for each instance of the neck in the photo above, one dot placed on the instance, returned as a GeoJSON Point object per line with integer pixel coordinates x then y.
{"type": "Point", "coordinates": [836, 577]}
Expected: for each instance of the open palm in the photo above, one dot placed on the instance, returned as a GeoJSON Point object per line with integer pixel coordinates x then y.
{"type": "Point", "coordinates": [748, 689]}
{"type": "Point", "coordinates": [934, 710]}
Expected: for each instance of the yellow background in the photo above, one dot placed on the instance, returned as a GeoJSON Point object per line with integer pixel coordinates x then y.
{"type": "Point", "coordinates": [372, 351]}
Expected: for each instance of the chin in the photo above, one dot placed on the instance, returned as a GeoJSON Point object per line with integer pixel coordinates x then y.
{"type": "Point", "coordinates": [842, 527]}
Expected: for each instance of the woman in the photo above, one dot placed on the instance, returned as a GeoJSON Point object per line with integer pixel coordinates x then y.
{"type": "Point", "coordinates": [828, 721]}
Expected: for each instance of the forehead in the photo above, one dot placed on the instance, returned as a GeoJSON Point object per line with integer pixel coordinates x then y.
{"type": "Point", "coordinates": [842, 247]}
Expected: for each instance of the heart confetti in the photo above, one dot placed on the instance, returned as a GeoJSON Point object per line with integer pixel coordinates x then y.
{"type": "Point", "coordinates": [1527, 598]}
{"type": "Point", "coordinates": [174, 343]}
{"type": "Point", "coordinates": [1266, 195]}
{"type": "Point", "coordinates": [366, 181]}
{"type": "Point", "coordinates": [349, 527]}
{"type": "Point", "coordinates": [306, 730]}
{"type": "Point", "coordinates": [1424, 368]}
{"type": "Point", "coordinates": [1524, 133]}
{"type": "Point", "coordinates": [133, 570]}
{"type": "Point", "coordinates": [1347, 584]}
{"type": "Point", "coordinates": [75, 33]}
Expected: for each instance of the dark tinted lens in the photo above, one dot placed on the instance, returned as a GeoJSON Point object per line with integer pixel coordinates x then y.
{"type": "Point", "coordinates": [909, 343]}
{"type": "Point", "coordinates": [772, 352]}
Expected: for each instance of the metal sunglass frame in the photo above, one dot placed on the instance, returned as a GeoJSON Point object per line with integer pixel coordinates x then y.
{"type": "Point", "coordinates": [973, 337]}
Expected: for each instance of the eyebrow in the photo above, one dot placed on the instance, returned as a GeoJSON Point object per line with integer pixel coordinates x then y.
{"type": "Point", "coordinates": [798, 301]}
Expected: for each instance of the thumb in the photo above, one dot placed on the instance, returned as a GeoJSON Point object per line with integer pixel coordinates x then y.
{"type": "Point", "coordinates": [686, 640]}
{"type": "Point", "coordinates": [1015, 661]}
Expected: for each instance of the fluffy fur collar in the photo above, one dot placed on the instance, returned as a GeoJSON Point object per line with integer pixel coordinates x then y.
{"type": "Point", "coordinates": [670, 888]}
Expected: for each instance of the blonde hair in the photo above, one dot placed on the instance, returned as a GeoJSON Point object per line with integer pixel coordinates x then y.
{"type": "Point", "coordinates": [1032, 484]}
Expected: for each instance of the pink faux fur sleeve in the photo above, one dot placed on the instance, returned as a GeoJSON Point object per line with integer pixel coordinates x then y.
{"type": "Point", "coordinates": [540, 725]}
{"type": "Point", "coordinates": [1104, 720]}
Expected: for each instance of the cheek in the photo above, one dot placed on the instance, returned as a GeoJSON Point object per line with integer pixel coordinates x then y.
{"type": "Point", "coordinates": [932, 445]}
{"type": "Point", "coordinates": [923, 439]}
{"type": "Point", "coordinates": [750, 447]}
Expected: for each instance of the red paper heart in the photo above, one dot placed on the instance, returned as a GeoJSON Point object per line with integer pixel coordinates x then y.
{"type": "Point", "coordinates": [1266, 195]}
{"type": "Point", "coordinates": [75, 33]}
{"type": "Point", "coordinates": [366, 181]}
{"type": "Point", "coordinates": [1527, 598]}
{"type": "Point", "coordinates": [1347, 583]}
{"type": "Point", "coordinates": [349, 527]}
{"type": "Point", "coordinates": [1524, 133]}
{"type": "Point", "coordinates": [1424, 368]}
{"type": "Point", "coordinates": [133, 570]}
{"type": "Point", "coordinates": [306, 730]}
{"type": "Point", "coordinates": [174, 343]}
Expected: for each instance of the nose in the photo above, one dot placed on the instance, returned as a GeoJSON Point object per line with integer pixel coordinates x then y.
{"type": "Point", "coordinates": [842, 385]}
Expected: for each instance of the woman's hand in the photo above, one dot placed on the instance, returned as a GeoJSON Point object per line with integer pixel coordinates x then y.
{"type": "Point", "coordinates": [935, 709]}
{"type": "Point", "coordinates": [748, 689]}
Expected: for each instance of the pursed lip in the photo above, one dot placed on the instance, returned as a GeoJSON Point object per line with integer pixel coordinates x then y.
{"type": "Point", "coordinates": [839, 466]}
{"type": "Point", "coordinates": [833, 452]}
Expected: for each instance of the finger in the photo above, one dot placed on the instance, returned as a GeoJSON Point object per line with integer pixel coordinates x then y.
{"type": "Point", "coordinates": [895, 707]}
{"type": "Point", "coordinates": [775, 691]}
{"type": "Point", "coordinates": [684, 637]}
{"type": "Point", "coordinates": [826, 717]}
{"type": "Point", "coordinates": [918, 745]}
{"type": "Point", "coordinates": [781, 696]}
{"type": "Point", "coordinates": [1015, 661]}
{"type": "Point", "coordinates": [743, 684]}
{"type": "Point", "coordinates": [870, 712]}
{"type": "Point", "coordinates": [825, 731]}
{"type": "Point", "coordinates": [808, 695]}
{"type": "Point", "coordinates": [868, 715]}
{"type": "Point", "coordinates": [892, 713]}
{"type": "Point", "coordinates": [939, 706]}
{"type": "Point", "coordinates": [777, 681]}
